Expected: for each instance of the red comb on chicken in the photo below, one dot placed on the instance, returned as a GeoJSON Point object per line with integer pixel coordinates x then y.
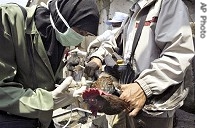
{"type": "Point", "coordinates": [101, 101]}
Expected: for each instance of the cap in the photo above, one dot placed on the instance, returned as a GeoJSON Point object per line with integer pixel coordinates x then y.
{"type": "Point", "coordinates": [118, 17]}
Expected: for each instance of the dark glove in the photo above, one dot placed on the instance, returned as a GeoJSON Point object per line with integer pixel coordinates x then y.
{"type": "Point", "coordinates": [92, 67]}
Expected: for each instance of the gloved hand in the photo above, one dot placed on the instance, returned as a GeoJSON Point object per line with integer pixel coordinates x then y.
{"type": "Point", "coordinates": [63, 95]}
{"type": "Point", "coordinates": [92, 66]}
{"type": "Point", "coordinates": [105, 36]}
{"type": "Point", "coordinates": [79, 52]}
{"type": "Point", "coordinates": [135, 96]}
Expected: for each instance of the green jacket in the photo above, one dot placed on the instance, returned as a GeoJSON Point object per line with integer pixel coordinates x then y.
{"type": "Point", "coordinates": [26, 76]}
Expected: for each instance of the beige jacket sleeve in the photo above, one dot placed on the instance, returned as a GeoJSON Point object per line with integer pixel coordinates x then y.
{"type": "Point", "coordinates": [173, 37]}
{"type": "Point", "coordinates": [106, 43]}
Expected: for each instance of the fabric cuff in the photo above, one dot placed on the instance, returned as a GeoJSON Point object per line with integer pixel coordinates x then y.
{"type": "Point", "coordinates": [145, 87]}
{"type": "Point", "coordinates": [99, 53]}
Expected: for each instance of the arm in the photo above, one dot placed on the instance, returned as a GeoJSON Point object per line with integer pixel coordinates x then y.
{"type": "Point", "coordinates": [173, 36]}
{"type": "Point", "coordinates": [106, 43]}
{"type": "Point", "coordinates": [16, 96]}
{"type": "Point", "coordinates": [96, 59]}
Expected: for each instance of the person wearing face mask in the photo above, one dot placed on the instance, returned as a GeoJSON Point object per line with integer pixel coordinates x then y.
{"type": "Point", "coordinates": [157, 49]}
{"type": "Point", "coordinates": [33, 42]}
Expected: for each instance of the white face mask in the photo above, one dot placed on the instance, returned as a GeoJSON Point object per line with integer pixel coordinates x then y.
{"type": "Point", "coordinates": [69, 37]}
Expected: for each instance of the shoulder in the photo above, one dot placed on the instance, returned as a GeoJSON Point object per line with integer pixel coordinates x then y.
{"type": "Point", "coordinates": [12, 14]}
{"type": "Point", "coordinates": [10, 9]}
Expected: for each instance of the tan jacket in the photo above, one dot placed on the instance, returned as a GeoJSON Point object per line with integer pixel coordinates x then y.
{"type": "Point", "coordinates": [164, 51]}
{"type": "Point", "coordinates": [25, 79]}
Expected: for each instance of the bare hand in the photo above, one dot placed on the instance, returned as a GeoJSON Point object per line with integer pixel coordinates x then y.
{"type": "Point", "coordinates": [135, 96]}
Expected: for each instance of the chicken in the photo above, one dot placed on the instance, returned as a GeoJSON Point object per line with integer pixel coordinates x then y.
{"type": "Point", "coordinates": [100, 101]}
{"type": "Point", "coordinates": [106, 83]}
{"type": "Point", "coordinates": [100, 97]}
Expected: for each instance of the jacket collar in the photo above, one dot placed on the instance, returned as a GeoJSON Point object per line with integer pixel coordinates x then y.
{"type": "Point", "coordinates": [141, 4]}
